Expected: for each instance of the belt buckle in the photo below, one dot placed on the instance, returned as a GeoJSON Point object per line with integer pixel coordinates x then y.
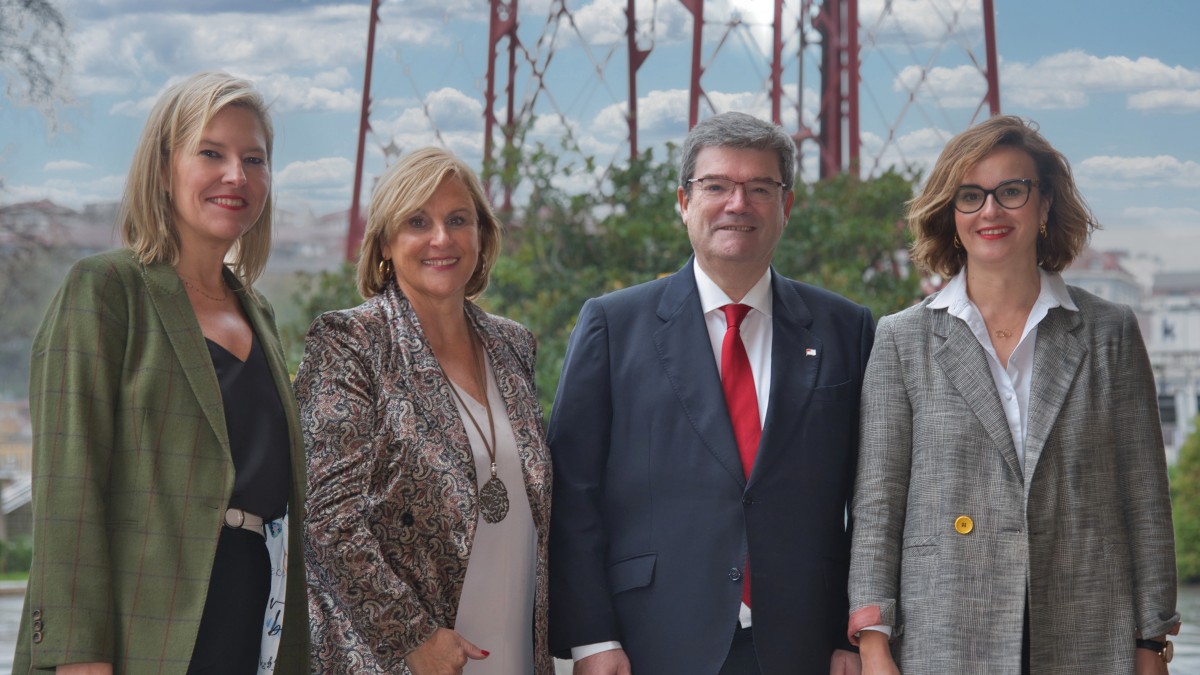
{"type": "Point", "coordinates": [235, 518]}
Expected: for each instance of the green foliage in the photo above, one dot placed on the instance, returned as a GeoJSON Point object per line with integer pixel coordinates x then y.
{"type": "Point", "coordinates": [1185, 503]}
{"type": "Point", "coordinates": [844, 234]}
{"type": "Point", "coordinates": [564, 246]}
{"type": "Point", "coordinates": [315, 293]}
{"type": "Point", "coordinates": [16, 555]}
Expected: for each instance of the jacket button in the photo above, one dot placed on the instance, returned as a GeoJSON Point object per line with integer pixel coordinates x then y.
{"type": "Point", "coordinates": [964, 524]}
{"type": "Point", "coordinates": [37, 626]}
{"type": "Point", "coordinates": [747, 501]}
{"type": "Point", "coordinates": [37, 614]}
{"type": "Point", "coordinates": [735, 574]}
{"type": "Point", "coordinates": [37, 637]}
{"type": "Point", "coordinates": [407, 519]}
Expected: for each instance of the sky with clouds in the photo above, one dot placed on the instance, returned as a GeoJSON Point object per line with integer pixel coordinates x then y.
{"type": "Point", "coordinates": [1114, 85]}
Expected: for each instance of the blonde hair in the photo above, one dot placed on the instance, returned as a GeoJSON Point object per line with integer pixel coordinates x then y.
{"type": "Point", "coordinates": [403, 190]}
{"type": "Point", "coordinates": [1069, 222]}
{"type": "Point", "coordinates": [146, 217]}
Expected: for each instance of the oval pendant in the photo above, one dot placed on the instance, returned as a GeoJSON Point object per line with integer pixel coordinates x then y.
{"type": "Point", "coordinates": [493, 501]}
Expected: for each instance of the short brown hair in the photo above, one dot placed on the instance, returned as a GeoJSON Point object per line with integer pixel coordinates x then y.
{"type": "Point", "coordinates": [931, 214]}
{"type": "Point", "coordinates": [402, 190]}
{"type": "Point", "coordinates": [147, 218]}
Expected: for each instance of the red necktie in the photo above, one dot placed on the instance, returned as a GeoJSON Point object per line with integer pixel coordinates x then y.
{"type": "Point", "coordinates": [741, 398]}
{"type": "Point", "coordinates": [738, 383]}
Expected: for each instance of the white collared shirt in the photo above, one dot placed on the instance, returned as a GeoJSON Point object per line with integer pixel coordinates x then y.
{"type": "Point", "coordinates": [1012, 383]}
{"type": "Point", "coordinates": [757, 331]}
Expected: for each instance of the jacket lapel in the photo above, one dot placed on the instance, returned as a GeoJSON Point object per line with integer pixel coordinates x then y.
{"type": "Point", "coordinates": [183, 330]}
{"type": "Point", "coordinates": [686, 354]}
{"type": "Point", "coordinates": [520, 407]}
{"type": "Point", "coordinates": [1056, 361]}
{"type": "Point", "coordinates": [795, 361]}
{"type": "Point", "coordinates": [965, 363]}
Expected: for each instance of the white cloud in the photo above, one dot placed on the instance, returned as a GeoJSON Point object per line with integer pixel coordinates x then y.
{"type": "Point", "coordinates": [1124, 173]}
{"type": "Point", "coordinates": [316, 172]}
{"type": "Point", "coordinates": [1061, 81]}
{"type": "Point", "coordinates": [1166, 100]}
{"type": "Point", "coordinates": [66, 165]}
{"type": "Point", "coordinates": [1064, 80]}
{"type": "Point", "coordinates": [949, 87]}
{"type": "Point", "coordinates": [918, 23]}
{"type": "Point", "coordinates": [1170, 234]}
{"type": "Point", "coordinates": [74, 194]}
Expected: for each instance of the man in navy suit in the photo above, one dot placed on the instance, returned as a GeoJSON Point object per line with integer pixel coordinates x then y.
{"type": "Point", "coordinates": [703, 459]}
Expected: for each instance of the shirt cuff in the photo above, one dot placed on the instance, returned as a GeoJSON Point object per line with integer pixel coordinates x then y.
{"type": "Point", "coordinates": [581, 653]}
{"type": "Point", "coordinates": [864, 617]}
{"type": "Point", "coordinates": [886, 630]}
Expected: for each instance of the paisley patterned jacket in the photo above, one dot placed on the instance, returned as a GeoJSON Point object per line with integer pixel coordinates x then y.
{"type": "Point", "coordinates": [392, 496]}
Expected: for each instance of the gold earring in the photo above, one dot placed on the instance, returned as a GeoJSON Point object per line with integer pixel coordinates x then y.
{"type": "Point", "coordinates": [956, 242]}
{"type": "Point", "coordinates": [386, 269]}
{"type": "Point", "coordinates": [1042, 229]}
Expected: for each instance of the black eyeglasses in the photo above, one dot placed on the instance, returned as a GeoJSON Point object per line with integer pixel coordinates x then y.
{"type": "Point", "coordinates": [1011, 194]}
{"type": "Point", "coordinates": [720, 189]}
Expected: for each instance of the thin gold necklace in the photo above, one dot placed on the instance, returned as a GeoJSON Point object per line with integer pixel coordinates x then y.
{"type": "Point", "coordinates": [199, 290]}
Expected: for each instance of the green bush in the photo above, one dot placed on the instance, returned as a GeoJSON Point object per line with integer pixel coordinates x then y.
{"type": "Point", "coordinates": [16, 555]}
{"type": "Point", "coordinates": [1185, 503]}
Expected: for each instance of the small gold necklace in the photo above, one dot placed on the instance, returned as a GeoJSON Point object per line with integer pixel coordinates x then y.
{"type": "Point", "coordinates": [1003, 333]}
{"type": "Point", "coordinates": [199, 290]}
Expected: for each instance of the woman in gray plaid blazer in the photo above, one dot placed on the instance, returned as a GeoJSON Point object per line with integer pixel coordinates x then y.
{"type": "Point", "coordinates": [1011, 513]}
{"type": "Point", "coordinates": [165, 431]}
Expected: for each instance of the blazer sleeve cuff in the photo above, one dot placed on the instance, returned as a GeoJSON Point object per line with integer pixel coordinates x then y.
{"type": "Point", "coordinates": [865, 617]}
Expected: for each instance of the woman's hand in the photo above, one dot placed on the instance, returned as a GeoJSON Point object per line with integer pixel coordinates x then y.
{"type": "Point", "coordinates": [876, 654]}
{"type": "Point", "coordinates": [444, 653]}
{"type": "Point", "coordinates": [85, 669]}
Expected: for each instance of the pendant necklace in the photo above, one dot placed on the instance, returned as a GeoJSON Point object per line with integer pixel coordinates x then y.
{"type": "Point", "coordinates": [493, 496]}
{"type": "Point", "coordinates": [1003, 333]}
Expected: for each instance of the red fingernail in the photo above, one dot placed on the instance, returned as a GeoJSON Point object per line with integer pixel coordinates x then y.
{"type": "Point", "coordinates": [485, 652]}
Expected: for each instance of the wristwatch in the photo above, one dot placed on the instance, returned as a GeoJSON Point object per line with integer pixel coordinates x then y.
{"type": "Point", "coordinates": [1164, 649]}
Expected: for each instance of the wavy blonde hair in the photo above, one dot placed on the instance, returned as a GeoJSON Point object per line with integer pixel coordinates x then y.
{"type": "Point", "coordinates": [931, 214]}
{"type": "Point", "coordinates": [402, 190]}
{"type": "Point", "coordinates": [146, 217]}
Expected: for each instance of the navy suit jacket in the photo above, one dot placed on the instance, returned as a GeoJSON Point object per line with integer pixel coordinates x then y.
{"type": "Point", "coordinates": [652, 516]}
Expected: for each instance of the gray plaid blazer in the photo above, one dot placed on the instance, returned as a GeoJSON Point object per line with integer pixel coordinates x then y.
{"type": "Point", "coordinates": [132, 474]}
{"type": "Point", "coordinates": [1085, 528]}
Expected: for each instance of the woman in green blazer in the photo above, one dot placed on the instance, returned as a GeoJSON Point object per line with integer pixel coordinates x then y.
{"type": "Point", "coordinates": [168, 461]}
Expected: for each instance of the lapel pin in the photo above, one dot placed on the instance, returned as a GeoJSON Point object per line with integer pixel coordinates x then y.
{"type": "Point", "coordinates": [810, 352]}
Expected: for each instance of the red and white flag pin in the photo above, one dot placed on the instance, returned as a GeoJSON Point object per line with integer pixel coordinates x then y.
{"type": "Point", "coordinates": [810, 352]}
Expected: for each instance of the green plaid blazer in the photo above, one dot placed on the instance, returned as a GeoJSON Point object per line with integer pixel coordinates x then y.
{"type": "Point", "coordinates": [132, 473]}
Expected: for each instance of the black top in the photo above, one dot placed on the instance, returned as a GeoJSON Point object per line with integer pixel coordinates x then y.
{"type": "Point", "coordinates": [258, 431]}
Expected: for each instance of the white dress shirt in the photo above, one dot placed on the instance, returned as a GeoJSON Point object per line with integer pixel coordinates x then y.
{"type": "Point", "coordinates": [1012, 383]}
{"type": "Point", "coordinates": [757, 330]}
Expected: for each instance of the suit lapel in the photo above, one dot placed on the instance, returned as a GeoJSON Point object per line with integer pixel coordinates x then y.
{"type": "Point", "coordinates": [1056, 361]}
{"type": "Point", "coordinates": [965, 363]}
{"type": "Point", "coordinates": [183, 330]}
{"type": "Point", "coordinates": [796, 355]}
{"type": "Point", "coordinates": [686, 354]}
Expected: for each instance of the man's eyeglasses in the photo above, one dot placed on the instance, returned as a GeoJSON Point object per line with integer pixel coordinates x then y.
{"type": "Point", "coordinates": [1011, 194]}
{"type": "Point", "coordinates": [719, 189]}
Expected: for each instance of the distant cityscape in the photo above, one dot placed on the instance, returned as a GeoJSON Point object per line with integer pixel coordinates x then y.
{"type": "Point", "coordinates": [1167, 305]}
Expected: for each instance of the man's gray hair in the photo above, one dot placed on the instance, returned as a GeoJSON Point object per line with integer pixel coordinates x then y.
{"type": "Point", "coordinates": [738, 130]}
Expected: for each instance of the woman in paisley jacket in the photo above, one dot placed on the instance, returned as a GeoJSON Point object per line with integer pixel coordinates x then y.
{"type": "Point", "coordinates": [425, 448]}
